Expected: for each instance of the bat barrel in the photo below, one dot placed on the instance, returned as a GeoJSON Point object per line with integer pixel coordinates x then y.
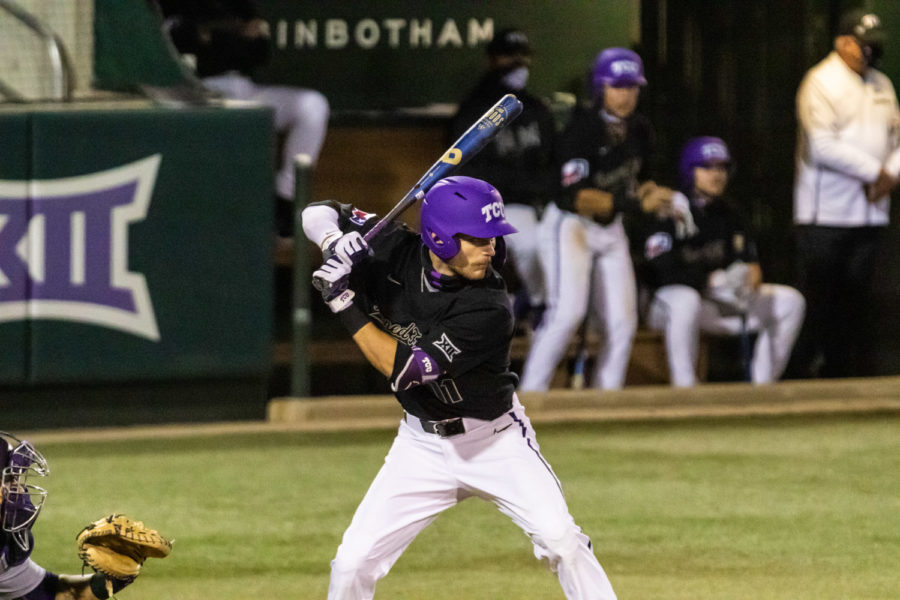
{"type": "Point", "coordinates": [468, 145]}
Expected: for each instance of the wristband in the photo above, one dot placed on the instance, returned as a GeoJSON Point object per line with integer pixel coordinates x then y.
{"type": "Point", "coordinates": [98, 586]}
{"type": "Point", "coordinates": [353, 318]}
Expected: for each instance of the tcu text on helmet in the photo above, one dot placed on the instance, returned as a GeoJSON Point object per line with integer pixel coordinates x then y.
{"type": "Point", "coordinates": [714, 151]}
{"type": "Point", "coordinates": [625, 67]}
{"type": "Point", "coordinates": [494, 210]}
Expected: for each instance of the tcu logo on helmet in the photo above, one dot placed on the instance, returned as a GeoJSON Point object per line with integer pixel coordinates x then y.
{"type": "Point", "coordinates": [625, 67]}
{"type": "Point", "coordinates": [494, 210]}
{"type": "Point", "coordinates": [714, 151]}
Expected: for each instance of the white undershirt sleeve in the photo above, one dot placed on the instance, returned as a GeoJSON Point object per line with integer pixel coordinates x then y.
{"type": "Point", "coordinates": [320, 224]}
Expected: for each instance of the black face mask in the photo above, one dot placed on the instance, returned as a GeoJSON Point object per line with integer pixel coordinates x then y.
{"type": "Point", "coordinates": [872, 53]}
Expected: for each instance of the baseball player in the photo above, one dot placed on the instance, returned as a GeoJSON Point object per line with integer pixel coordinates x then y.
{"type": "Point", "coordinates": [20, 504]}
{"type": "Point", "coordinates": [228, 40]}
{"type": "Point", "coordinates": [430, 312]}
{"type": "Point", "coordinates": [604, 151]}
{"type": "Point", "coordinates": [519, 161]}
{"type": "Point", "coordinates": [703, 268]}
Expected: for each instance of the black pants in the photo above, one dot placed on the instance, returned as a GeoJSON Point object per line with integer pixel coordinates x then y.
{"type": "Point", "coordinates": [835, 267]}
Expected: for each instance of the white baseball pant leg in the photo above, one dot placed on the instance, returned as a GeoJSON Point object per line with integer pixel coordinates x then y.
{"type": "Point", "coordinates": [614, 300]}
{"type": "Point", "coordinates": [567, 261]}
{"type": "Point", "coordinates": [675, 310]}
{"type": "Point", "coordinates": [424, 475]}
{"type": "Point", "coordinates": [301, 113]}
{"type": "Point", "coordinates": [523, 248]}
{"type": "Point", "coordinates": [776, 313]}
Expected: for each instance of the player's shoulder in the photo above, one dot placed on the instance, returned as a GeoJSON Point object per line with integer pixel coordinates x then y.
{"type": "Point", "coordinates": [640, 123]}
{"type": "Point", "coordinates": [481, 309]}
{"type": "Point", "coordinates": [396, 243]}
{"type": "Point", "coordinates": [584, 121]}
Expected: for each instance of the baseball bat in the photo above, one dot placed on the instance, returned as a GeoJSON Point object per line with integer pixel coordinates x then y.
{"type": "Point", "coordinates": [468, 145]}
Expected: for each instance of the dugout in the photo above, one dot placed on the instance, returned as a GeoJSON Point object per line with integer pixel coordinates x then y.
{"type": "Point", "coordinates": [392, 71]}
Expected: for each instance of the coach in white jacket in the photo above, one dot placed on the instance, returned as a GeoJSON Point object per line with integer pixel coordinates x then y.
{"type": "Point", "coordinates": [847, 164]}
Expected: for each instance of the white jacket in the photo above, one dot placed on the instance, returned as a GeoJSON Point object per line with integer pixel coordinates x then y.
{"type": "Point", "coordinates": [848, 131]}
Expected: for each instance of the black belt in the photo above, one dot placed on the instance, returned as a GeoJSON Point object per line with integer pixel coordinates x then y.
{"type": "Point", "coordinates": [445, 428]}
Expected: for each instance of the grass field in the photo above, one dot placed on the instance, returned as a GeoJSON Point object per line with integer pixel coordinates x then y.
{"type": "Point", "coordinates": [785, 508]}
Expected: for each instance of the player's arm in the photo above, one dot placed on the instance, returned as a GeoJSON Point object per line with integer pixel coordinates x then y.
{"type": "Point", "coordinates": [71, 587]}
{"type": "Point", "coordinates": [378, 347]}
{"type": "Point", "coordinates": [322, 223]}
{"type": "Point", "coordinates": [84, 587]}
{"type": "Point", "coordinates": [404, 367]}
{"type": "Point", "coordinates": [338, 229]}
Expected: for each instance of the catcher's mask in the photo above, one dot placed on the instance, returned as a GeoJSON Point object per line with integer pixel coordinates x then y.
{"type": "Point", "coordinates": [20, 501]}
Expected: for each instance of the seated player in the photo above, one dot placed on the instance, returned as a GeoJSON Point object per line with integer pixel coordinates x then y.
{"type": "Point", "coordinates": [229, 41]}
{"type": "Point", "coordinates": [20, 504]}
{"type": "Point", "coordinates": [701, 265]}
{"type": "Point", "coordinates": [430, 312]}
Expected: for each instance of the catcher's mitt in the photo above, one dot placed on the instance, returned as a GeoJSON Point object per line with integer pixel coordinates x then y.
{"type": "Point", "coordinates": [117, 546]}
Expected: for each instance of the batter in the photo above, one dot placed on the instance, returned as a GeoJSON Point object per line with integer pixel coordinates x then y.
{"type": "Point", "coordinates": [430, 312]}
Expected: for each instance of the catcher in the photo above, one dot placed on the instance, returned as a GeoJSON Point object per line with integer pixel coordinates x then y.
{"type": "Point", "coordinates": [115, 546]}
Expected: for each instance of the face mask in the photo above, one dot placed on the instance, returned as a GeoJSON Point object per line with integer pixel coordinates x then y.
{"type": "Point", "coordinates": [516, 79]}
{"type": "Point", "coordinates": [872, 53]}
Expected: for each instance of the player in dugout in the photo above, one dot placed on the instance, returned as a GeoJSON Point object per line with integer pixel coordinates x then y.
{"type": "Point", "coordinates": [702, 264]}
{"type": "Point", "coordinates": [20, 503]}
{"type": "Point", "coordinates": [430, 312]}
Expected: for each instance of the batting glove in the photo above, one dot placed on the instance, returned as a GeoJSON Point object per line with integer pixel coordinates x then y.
{"type": "Point", "coordinates": [332, 279]}
{"type": "Point", "coordinates": [351, 247]}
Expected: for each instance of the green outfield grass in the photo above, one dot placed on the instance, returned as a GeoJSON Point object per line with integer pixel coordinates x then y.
{"type": "Point", "coordinates": [763, 508]}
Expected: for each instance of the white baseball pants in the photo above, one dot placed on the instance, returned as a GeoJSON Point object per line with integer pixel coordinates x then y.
{"type": "Point", "coordinates": [302, 114]}
{"type": "Point", "coordinates": [524, 250]}
{"type": "Point", "coordinates": [424, 474]}
{"type": "Point", "coordinates": [588, 274]}
{"type": "Point", "coordinates": [775, 313]}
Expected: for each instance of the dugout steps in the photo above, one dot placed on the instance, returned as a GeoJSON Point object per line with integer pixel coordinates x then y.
{"type": "Point", "coordinates": [635, 403]}
{"type": "Point", "coordinates": [640, 403]}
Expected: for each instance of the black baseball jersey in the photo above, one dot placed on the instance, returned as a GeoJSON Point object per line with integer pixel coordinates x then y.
{"type": "Point", "coordinates": [10, 553]}
{"type": "Point", "coordinates": [591, 157]}
{"type": "Point", "coordinates": [519, 161]}
{"type": "Point", "coordinates": [721, 239]}
{"type": "Point", "coordinates": [465, 326]}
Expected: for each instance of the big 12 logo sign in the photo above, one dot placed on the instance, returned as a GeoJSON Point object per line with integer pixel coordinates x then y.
{"type": "Point", "coordinates": [64, 249]}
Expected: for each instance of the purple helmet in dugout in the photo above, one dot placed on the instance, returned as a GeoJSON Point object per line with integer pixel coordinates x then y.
{"type": "Point", "coordinates": [704, 151]}
{"type": "Point", "coordinates": [461, 205]}
{"type": "Point", "coordinates": [618, 67]}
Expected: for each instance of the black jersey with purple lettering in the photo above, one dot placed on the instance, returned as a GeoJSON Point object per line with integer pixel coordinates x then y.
{"type": "Point", "coordinates": [464, 325]}
{"type": "Point", "coordinates": [722, 237]}
{"type": "Point", "coordinates": [592, 155]}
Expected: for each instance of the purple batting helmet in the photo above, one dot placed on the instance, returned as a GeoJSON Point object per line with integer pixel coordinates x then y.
{"type": "Point", "coordinates": [20, 501]}
{"type": "Point", "coordinates": [700, 152]}
{"type": "Point", "coordinates": [618, 67]}
{"type": "Point", "coordinates": [461, 205]}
